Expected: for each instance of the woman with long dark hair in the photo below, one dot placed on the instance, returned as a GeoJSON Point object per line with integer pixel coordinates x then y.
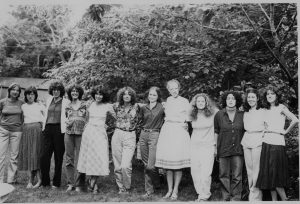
{"type": "Point", "coordinates": [252, 140]}
{"type": "Point", "coordinates": [273, 173]}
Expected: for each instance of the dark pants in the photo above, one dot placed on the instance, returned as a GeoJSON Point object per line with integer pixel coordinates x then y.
{"type": "Point", "coordinates": [148, 142]}
{"type": "Point", "coordinates": [53, 141]}
{"type": "Point", "coordinates": [231, 185]}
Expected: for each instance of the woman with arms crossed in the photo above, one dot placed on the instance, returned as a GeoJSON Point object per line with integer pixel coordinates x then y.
{"type": "Point", "coordinates": [173, 153]}
{"type": "Point", "coordinates": [273, 173]}
{"type": "Point", "coordinates": [202, 144]}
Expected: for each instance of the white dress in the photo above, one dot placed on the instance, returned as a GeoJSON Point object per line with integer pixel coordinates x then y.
{"type": "Point", "coordinates": [93, 156]}
{"type": "Point", "coordinates": [173, 145]}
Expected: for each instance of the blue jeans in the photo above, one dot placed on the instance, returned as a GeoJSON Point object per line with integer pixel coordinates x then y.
{"type": "Point", "coordinates": [231, 185]}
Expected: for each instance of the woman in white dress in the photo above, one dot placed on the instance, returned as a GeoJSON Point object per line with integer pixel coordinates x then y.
{"type": "Point", "coordinates": [273, 172]}
{"type": "Point", "coordinates": [174, 141]}
{"type": "Point", "coordinates": [252, 140]}
{"type": "Point", "coordinates": [93, 158]}
{"type": "Point", "coordinates": [203, 144]}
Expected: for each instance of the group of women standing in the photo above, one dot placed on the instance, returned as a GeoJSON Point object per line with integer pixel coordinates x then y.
{"type": "Point", "coordinates": [255, 135]}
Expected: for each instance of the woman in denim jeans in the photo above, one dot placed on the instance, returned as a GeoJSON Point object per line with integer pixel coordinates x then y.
{"type": "Point", "coordinates": [152, 118]}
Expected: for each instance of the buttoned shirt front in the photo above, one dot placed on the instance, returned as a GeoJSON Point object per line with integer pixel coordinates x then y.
{"type": "Point", "coordinates": [230, 133]}
{"type": "Point", "coordinates": [126, 120]}
{"type": "Point", "coordinates": [152, 118]}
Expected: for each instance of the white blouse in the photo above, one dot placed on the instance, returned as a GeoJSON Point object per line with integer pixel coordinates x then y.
{"type": "Point", "coordinates": [33, 113]}
{"type": "Point", "coordinates": [254, 121]}
{"type": "Point", "coordinates": [177, 109]}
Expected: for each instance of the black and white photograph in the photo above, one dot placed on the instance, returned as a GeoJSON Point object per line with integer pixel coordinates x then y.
{"type": "Point", "coordinates": [149, 101]}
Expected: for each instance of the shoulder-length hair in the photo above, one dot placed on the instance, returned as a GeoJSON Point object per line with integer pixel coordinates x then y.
{"type": "Point", "coordinates": [12, 86]}
{"type": "Point", "coordinates": [100, 90]}
{"type": "Point", "coordinates": [57, 85]}
{"type": "Point", "coordinates": [246, 104]}
{"type": "Point", "coordinates": [209, 107]}
{"type": "Point", "coordinates": [29, 90]}
{"type": "Point", "coordinates": [78, 88]}
{"type": "Point", "coordinates": [236, 95]}
{"type": "Point", "coordinates": [121, 93]}
{"type": "Point", "coordinates": [278, 96]}
{"type": "Point", "coordinates": [158, 91]}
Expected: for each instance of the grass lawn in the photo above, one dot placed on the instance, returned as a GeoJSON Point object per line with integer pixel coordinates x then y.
{"type": "Point", "coordinates": [108, 190]}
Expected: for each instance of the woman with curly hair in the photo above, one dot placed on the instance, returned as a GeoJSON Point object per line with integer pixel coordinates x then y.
{"type": "Point", "coordinates": [173, 153]}
{"type": "Point", "coordinates": [93, 156]}
{"type": "Point", "coordinates": [202, 144]}
{"type": "Point", "coordinates": [54, 127]}
{"type": "Point", "coordinates": [229, 130]}
{"type": "Point", "coordinates": [76, 119]}
{"type": "Point", "coordinates": [252, 140]}
{"type": "Point", "coordinates": [11, 120]}
{"type": "Point", "coordinates": [31, 141]}
{"type": "Point", "coordinates": [124, 138]}
{"type": "Point", "coordinates": [273, 173]}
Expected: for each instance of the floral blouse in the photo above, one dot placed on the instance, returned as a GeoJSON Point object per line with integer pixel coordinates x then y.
{"type": "Point", "coordinates": [76, 119]}
{"type": "Point", "coordinates": [126, 120]}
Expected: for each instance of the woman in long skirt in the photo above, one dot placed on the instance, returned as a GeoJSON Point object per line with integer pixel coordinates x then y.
{"type": "Point", "coordinates": [93, 156]}
{"type": "Point", "coordinates": [273, 173]}
{"type": "Point", "coordinates": [30, 145]}
{"type": "Point", "coordinates": [173, 153]}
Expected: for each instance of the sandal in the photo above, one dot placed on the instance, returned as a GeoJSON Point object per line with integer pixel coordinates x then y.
{"type": "Point", "coordinates": [29, 185]}
{"type": "Point", "coordinates": [174, 196]}
{"type": "Point", "coordinates": [168, 195]}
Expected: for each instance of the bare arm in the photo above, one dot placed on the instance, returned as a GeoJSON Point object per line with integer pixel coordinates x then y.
{"type": "Point", "coordinates": [290, 116]}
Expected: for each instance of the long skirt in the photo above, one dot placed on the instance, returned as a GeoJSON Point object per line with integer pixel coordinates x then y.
{"type": "Point", "coordinates": [273, 170]}
{"type": "Point", "coordinates": [173, 147]}
{"type": "Point", "coordinates": [30, 147]}
{"type": "Point", "coordinates": [93, 156]}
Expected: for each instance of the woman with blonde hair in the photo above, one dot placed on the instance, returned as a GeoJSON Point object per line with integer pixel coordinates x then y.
{"type": "Point", "coordinates": [174, 140]}
{"type": "Point", "coordinates": [203, 144]}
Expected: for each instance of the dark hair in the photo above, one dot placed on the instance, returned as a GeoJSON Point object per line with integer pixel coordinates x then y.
{"type": "Point", "coordinates": [12, 86]}
{"type": "Point", "coordinates": [57, 85]}
{"type": "Point", "coordinates": [209, 107]}
{"type": "Point", "coordinates": [121, 93]}
{"type": "Point", "coordinates": [237, 96]}
{"type": "Point", "coordinates": [29, 90]}
{"type": "Point", "coordinates": [101, 91]}
{"type": "Point", "coordinates": [246, 104]}
{"type": "Point", "coordinates": [78, 88]}
{"type": "Point", "coordinates": [155, 88]}
{"type": "Point", "coordinates": [267, 105]}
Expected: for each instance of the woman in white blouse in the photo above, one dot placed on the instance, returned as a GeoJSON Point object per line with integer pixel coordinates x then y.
{"type": "Point", "coordinates": [273, 172]}
{"type": "Point", "coordinates": [174, 141]}
{"type": "Point", "coordinates": [30, 145]}
{"type": "Point", "coordinates": [252, 140]}
{"type": "Point", "coordinates": [203, 144]}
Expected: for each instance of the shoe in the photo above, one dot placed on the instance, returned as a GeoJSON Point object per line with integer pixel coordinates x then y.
{"type": "Point", "coordinates": [174, 196]}
{"type": "Point", "coordinates": [78, 189]}
{"type": "Point", "coordinates": [54, 187]}
{"type": "Point", "coordinates": [168, 195]}
{"type": "Point", "coordinates": [123, 191]}
{"type": "Point", "coordinates": [147, 195]}
{"type": "Point", "coordinates": [38, 184]}
{"type": "Point", "coordinates": [70, 188]}
{"type": "Point", "coordinates": [29, 185]}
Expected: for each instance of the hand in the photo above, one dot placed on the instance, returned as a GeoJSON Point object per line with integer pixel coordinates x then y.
{"type": "Point", "coordinates": [216, 151]}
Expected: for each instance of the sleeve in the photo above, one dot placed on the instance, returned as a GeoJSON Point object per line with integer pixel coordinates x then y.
{"type": "Point", "coordinates": [217, 123]}
{"type": "Point", "coordinates": [111, 110]}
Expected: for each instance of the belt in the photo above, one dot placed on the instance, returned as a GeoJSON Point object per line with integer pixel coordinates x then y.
{"type": "Point", "coordinates": [274, 132]}
{"type": "Point", "coordinates": [151, 130]}
{"type": "Point", "coordinates": [254, 131]}
{"type": "Point", "coordinates": [126, 130]}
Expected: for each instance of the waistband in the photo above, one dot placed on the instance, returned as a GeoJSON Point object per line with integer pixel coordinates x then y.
{"type": "Point", "coordinates": [258, 131]}
{"type": "Point", "coordinates": [125, 130]}
{"type": "Point", "coordinates": [150, 130]}
{"type": "Point", "coordinates": [274, 132]}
